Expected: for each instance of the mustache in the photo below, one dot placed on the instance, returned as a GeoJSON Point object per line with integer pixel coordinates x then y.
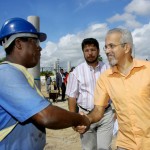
{"type": "Point", "coordinates": [110, 54]}
{"type": "Point", "coordinates": [90, 56]}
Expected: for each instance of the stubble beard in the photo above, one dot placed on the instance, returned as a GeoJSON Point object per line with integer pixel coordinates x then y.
{"type": "Point", "coordinates": [112, 61]}
{"type": "Point", "coordinates": [93, 61]}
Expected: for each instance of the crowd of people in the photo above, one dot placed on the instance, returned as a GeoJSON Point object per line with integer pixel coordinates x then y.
{"type": "Point", "coordinates": [92, 87]}
{"type": "Point", "coordinates": [57, 87]}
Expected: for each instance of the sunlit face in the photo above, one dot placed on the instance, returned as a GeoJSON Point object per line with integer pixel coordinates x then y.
{"type": "Point", "coordinates": [91, 53]}
{"type": "Point", "coordinates": [114, 49]}
{"type": "Point", "coordinates": [31, 52]}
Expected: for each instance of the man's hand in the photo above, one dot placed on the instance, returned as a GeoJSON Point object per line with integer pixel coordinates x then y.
{"type": "Point", "coordinates": [83, 128]}
{"type": "Point", "coordinates": [94, 116]}
{"type": "Point", "coordinates": [80, 129]}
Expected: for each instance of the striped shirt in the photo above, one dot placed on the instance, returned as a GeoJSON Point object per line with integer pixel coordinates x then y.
{"type": "Point", "coordinates": [81, 83]}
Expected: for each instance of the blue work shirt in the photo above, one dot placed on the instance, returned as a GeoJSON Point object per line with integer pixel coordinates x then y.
{"type": "Point", "coordinates": [18, 102]}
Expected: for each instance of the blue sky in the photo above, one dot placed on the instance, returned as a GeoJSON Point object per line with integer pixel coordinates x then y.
{"type": "Point", "coordinates": [68, 22]}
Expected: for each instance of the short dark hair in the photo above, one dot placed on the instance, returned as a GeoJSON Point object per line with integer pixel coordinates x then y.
{"type": "Point", "coordinates": [9, 49]}
{"type": "Point", "coordinates": [90, 41]}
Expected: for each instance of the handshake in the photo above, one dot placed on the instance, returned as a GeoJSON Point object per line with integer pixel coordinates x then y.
{"type": "Point", "coordinates": [94, 116]}
{"type": "Point", "coordinates": [84, 124]}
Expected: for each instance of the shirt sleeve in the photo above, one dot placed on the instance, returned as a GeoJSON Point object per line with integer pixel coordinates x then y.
{"type": "Point", "coordinates": [17, 97]}
{"type": "Point", "coordinates": [72, 86]}
{"type": "Point", "coordinates": [101, 96]}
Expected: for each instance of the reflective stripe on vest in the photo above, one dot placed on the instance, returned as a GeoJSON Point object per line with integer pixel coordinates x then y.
{"type": "Point", "coordinates": [29, 77]}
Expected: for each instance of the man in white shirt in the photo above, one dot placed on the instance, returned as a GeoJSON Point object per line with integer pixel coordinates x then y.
{"type": "Point", "coordinates": [80, 90]}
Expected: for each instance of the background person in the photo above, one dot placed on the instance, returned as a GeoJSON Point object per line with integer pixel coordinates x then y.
{"type": "Point", "coordinates": [61, 83]}
{"type": "Point", "coordinates": [22, 106]}
{"type": "Point", "coordinates": [80, 89]}
{"type": "Point", "coordinates": [48, 83]}
{"type": "Point", "coordinates": [67, 74]}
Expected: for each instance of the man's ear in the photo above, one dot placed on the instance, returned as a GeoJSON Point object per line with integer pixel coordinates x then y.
{"type": "Point", "coordinates": [18, 43]}
{"type": "Point", "coordinates": [127, 48]}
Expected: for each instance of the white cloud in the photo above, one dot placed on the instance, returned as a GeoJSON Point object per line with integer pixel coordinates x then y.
{"type": "Point", "coordinates": [132, 11]}
{"type": "Point", "coordinates": [141, 41]}
{"type": "Point", "coordinates": [84, 3]}
{"type": "Point", "coordinates": [139, 7]}
{"type": "Point", "coordinates": [128, 20]}
{"type": "Point", "coordinates": [69, 47]}
{"type": "Point", "coordinates": [47, 52]}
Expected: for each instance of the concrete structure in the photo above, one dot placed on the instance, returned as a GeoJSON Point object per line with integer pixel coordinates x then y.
{"type": "Point", "coordinates": [35, 20]}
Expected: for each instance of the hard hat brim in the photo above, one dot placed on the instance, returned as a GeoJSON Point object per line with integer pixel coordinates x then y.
{"type": "Point", "coordinates": [42, 36]}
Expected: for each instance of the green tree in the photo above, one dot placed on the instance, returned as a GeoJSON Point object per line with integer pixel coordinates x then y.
{"type": "Point", "coordinates": [2, 59]}
{"type": "Point", "coordinates": [100, 58]}
{"type": "Point", "coordinates": [46, 72]}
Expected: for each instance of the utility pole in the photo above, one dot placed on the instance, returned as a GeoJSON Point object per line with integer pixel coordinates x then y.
{"type": "Point", "coordinates": [35, 20]}
{"type": "Point", "coordinates": [58, 67]}
{"type": "Point", "coordinates": [68, 66]}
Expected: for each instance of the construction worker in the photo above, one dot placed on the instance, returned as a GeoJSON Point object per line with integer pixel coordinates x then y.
{"type": "Point", "coordinates": [24, 112]}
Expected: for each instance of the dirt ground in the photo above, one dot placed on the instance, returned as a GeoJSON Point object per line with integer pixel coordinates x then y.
{"type": "Point", "coordinates": [65, 139]}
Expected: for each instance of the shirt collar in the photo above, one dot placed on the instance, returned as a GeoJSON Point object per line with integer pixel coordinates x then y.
{"type": "Point", "coordinates": [136, 64]}
{"type": "Point", "coordinates": [98, 65]}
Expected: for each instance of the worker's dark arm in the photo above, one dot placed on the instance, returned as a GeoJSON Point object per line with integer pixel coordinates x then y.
{"type": "Point", "coordinates": [54, 117]}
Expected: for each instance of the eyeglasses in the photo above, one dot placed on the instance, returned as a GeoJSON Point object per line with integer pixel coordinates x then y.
{"type": "Point", "coordinates": [111, 46]}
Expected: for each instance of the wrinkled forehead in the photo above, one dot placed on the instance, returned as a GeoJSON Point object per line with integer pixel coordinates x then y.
{"type": "Point", "coordinates": [113, 37]}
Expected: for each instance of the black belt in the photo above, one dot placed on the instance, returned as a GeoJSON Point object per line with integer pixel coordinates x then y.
{"type": "Point", "coordinates": [107, 107]}
{"type": "Point", "coordinates": [84, 109]}
{"type": "Point", "coordinates": [90, 111]}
